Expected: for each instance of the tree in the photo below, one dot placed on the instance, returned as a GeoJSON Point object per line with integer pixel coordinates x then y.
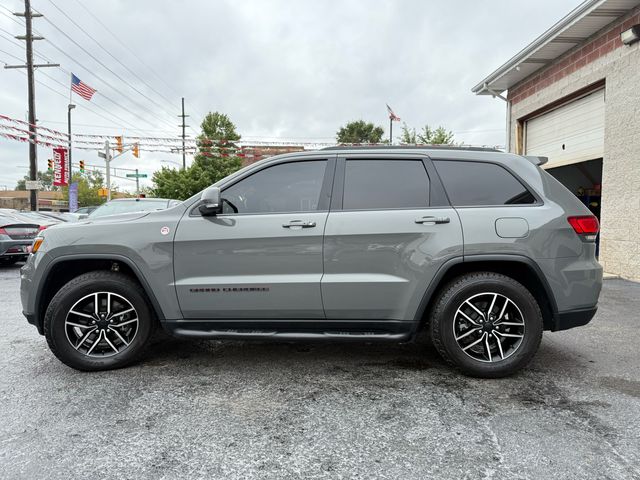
{"type": "Point", "coordinates": [439, 136]}
{"type": "Point", "coordinates": [46, 178]}
{"type": "Point", "coordinates": [359, 131]}
{"type": "Point", "coordinates": [408, 136]}
{"type": "Point", "coordinates": [215, 160]}
{"type": "Point", "coordinates": [88, 186]}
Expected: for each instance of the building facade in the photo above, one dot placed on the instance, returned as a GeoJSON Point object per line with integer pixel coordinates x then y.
{"type": "Point", "coordinates": [573, 95]}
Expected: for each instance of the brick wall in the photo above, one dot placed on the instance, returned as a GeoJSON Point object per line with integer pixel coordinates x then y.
{"type": "Point", "coordinates": [602, 44]}
{"type": "Point", "coordinates": [601, 58]}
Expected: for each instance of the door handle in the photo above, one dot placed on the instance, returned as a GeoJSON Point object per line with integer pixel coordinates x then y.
{"type": "Point", "coordinates": [299, 224]}
{"type": "Point", "coordinates": [433, 220]}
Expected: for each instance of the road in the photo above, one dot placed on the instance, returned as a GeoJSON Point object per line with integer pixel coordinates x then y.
{"type": "Point", "coordinates": [239, 410]}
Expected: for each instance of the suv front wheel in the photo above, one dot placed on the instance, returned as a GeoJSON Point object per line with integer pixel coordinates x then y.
{"type": "Point", "coordinates": [98, 321]}
{"type": "Point", "coordinates": [486, 324]}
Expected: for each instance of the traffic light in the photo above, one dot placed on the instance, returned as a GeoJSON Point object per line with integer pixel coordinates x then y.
{"type": "Point", "coordinates": [119, 144]}
{"type": "Point", "coordinates": [50, 165]}
{"type": "Point", "coordinates": [81, 166]}
{"type": "Point", "coordinates": [136, 150]}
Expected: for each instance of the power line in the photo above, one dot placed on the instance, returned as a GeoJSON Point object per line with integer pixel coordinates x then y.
{"type": "Point", "coordinates": [111, 55]}
{"type": "Point", "coordinates": [126, 47]}
{"type": "Point", "coordinates": [104, 66]}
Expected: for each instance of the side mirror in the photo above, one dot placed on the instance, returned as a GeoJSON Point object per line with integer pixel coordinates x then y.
{"type": "Point", "coordinates": [211, 202]}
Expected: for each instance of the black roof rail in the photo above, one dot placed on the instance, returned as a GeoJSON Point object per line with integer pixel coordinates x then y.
{"type": "Point", "coordinates": [412, 147]}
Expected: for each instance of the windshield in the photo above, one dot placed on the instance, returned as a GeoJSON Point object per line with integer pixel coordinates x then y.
{"type": "Point", "coordinates": [113, 208]}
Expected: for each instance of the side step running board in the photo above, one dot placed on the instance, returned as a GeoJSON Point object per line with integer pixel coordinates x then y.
{"type": "Point", "coordinates": [275, 335]}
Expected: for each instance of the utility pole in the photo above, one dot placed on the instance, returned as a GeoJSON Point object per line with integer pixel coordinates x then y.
{"type": "Point", "coordinates": [107, 159]}
{"type": "Point", "coordinates": [184, 158]}
{"type": "Point", "coordinates": [137, 184]}
{"type": "Point", "coordinates": [33, 150]}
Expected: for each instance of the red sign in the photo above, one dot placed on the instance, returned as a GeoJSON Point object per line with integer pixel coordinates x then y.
{"type": "Point", "coordinates": [60, 170]}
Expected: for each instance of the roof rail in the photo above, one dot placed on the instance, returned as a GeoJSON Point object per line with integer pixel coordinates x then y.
{"type": "Point", "coordinates": [383, 146]}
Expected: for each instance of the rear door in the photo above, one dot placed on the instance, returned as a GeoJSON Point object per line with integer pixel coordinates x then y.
{"type": "Point", "coordinates": [262, 257]}
{"type": "Point", "coordinates": [389, 230]}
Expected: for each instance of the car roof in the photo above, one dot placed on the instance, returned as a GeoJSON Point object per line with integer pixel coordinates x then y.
{"type": "Point", "coordinates": [411, 147]}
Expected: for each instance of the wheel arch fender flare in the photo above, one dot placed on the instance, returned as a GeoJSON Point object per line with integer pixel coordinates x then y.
{"type": "Point", "coordinates": [40, 308]}
{"type": "Point", "coordinates": [444, 273]}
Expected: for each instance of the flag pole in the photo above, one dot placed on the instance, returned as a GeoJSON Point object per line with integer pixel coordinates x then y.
{"type": "Point", "coordinates": [390, 130]}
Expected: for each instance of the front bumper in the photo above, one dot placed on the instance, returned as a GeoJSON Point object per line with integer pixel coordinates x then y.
{"type": "Point", "coordinates": [572, 318]}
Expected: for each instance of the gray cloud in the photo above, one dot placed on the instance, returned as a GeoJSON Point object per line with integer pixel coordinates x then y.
{"type": "Point", "coordinates": [278, 68]}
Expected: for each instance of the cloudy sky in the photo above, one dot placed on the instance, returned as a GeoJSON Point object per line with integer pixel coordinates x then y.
{"type": "Point", "coordinates": [282, 70]}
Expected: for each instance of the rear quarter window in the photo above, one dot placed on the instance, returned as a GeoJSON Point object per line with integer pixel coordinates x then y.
{"type": "Point", "coordinates": [480, 183]}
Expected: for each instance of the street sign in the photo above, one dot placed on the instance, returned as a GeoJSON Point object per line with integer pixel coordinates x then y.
{"type": "Point", "coordinates": [136, 175]}
{"type": "Point", "coordinates": [102, 154]}
{"type": "Point", "coordinates": [33, 185]}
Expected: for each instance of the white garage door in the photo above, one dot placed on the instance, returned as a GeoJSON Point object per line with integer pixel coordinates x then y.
{"type": "Point", "coordinates": [569, 134]}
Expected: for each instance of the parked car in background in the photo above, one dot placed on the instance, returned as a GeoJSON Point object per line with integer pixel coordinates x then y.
{"type": "Point", "coordinates": [126, 205]}
{"type": "Point", "coordinates": [16, 237]}
{"type": "Point", "coordinates": [83, 212]}
{"type": "Point", "coordinates": [43, 221]}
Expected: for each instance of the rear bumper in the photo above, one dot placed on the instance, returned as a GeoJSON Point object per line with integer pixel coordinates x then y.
{"type": "Point", "coordinates": [572, 318]}
{"type": "Point", "coordinates": [8, 244]}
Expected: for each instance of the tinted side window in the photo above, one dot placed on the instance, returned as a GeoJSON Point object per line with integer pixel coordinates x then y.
{"type": "Point", "coordinates": [283, 188]}
{"type": "Point", "coordinates": [371, 184]}
{"type": "Point", "coordinates": [478, 183]}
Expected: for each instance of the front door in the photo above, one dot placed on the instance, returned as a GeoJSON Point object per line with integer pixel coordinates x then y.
{"type": "Point", "coordinates": [262, 257]}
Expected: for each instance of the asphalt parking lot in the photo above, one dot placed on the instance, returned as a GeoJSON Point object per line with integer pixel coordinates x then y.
{"type": "Point", "coordinates": [259, 410]}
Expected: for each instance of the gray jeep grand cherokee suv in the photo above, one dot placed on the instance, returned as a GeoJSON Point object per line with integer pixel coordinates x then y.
{"type": "Point", "coordinates": [482, 248]}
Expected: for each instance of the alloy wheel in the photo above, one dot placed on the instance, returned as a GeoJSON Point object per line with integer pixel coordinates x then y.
{"type": "Point", "coordinates": [489, 327]}
{"type": "Point", "coordinates": [101, 324]}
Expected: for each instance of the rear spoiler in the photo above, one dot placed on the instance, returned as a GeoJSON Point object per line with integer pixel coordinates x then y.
{"type": "Point", "coordinates": [539, 161]}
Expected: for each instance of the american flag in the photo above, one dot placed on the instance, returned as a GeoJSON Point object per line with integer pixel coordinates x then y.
{"type": "Point", "coordinates": [392, 115]}
{"type": "Point", "coordinates": [82, 89]}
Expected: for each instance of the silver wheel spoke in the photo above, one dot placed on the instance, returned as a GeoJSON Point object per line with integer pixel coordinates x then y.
{"type": "Point", "coordinates": [109, 342]}
{"type": "Point", "coordinates": [83, 339]}
{"type": "Point", "coordinates": [125, 323]}
{"type": "Point", "coordinates": [499, 346]}
{"type": "Point", "coordinates": [487, 346]}
{"type": "Point", "coordinates": [119, 336]}
{"type": "Point", "coordinates": [504, 307]}
{"type": "Point", "coordinates": [498, 320]}
{"type": "Point", "coordinates": [468, 317]}
{"type": "Point", "coordinates": [467, 333]}
{"type": "Point", "coordinates": [474, 343]}
{"type": "Point", "coordinates": [510, 335]}
{"type": "Point", "coordinates": [475, 308]}
{"type": "Point", "coordinates": [493, 302]}
{"type": "Point", "coordinates": [79, 325]}
{"type": "Point", "coordinates": [92, 334]}
{"type": "Point", "coordinates": [95, 343]}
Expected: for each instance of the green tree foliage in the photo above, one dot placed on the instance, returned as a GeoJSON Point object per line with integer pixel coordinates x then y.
{"type": "Point", "coordinates": [46, 178]}
{"type": "Point", "coordinates": [427, 136]}
{"type": "Point", "coordinates": [215, 160]}
{"type": "Point", "coordinates": [408, 135]}
{"type": "Point", "coordinates": [88, 186]}
{"type": "Point", "coordinates": [438, 136]}
{"type": "Point", "coordinates": [359, 131]}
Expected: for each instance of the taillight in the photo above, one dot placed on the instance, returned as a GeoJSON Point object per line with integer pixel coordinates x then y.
{"type": "Point", "coordinates": [41, 227]}
{"type": "Point", "coordinates": [584, 225]}
{"type": "Point", "coordinates": [3, 231]}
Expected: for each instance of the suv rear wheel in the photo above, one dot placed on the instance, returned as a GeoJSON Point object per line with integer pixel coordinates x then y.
{"type": "Point", "coordinates": [98, 321]}
{"type": "Point", "coordinates": [486, 324]}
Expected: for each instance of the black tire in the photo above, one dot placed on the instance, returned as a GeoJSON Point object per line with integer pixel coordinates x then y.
{"type": "Point", "coordinates": [80, 287]}
{"type": "Point", "coordinates": [453, 296]}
